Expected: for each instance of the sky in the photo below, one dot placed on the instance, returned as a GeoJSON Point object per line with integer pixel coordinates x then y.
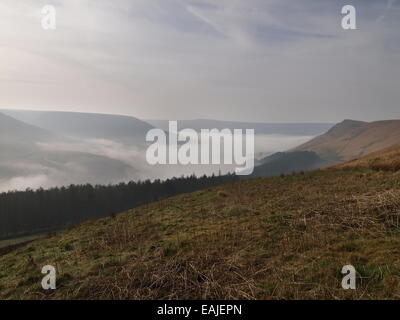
{"type": "Point", "coordinates": [247, 60]}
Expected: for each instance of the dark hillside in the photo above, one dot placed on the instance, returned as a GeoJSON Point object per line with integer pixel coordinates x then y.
{"type": "Point", "coordinates": [288, 162]}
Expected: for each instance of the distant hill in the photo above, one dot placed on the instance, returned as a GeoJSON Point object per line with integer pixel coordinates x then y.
{"type": "Point", "coordinates": [352, 139]}
{"type": "Point", "coordinates": [345, 141]}
{"type": "Point", "coordinates": [287, 163]}
{"type": "Point", "coordinates": [295, 129]}
{"type": "Point", "coordinates": [86, 125]}
{"type": "Point", "coordinates": [18, 139]}
{"type": "Point", "coordinates": [12, 130]}
{"type": "Point", "coordinates": [34, 157]}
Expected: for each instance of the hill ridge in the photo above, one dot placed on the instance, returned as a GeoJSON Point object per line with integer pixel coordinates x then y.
{"type": "Point", "coordinates": [351, 139]}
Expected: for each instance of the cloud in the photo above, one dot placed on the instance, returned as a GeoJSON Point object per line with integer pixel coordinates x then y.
{"type": "Point", "coordinates": [102, 147]}
{"type": "Point", "coordinates": [275, 60]}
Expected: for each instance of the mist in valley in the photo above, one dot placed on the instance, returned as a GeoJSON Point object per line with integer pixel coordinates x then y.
{"type": "Point", "coordinates": [101, 161]}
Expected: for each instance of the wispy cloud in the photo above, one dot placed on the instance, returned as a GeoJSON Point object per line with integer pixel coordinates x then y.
{"type": "Point", "coordinates": [276, 60]}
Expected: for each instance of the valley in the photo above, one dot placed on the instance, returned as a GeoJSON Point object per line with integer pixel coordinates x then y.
{"type": "Point", "coordinates": [283, 233]}
{"type": "Point", "coordinates": [282, 237]}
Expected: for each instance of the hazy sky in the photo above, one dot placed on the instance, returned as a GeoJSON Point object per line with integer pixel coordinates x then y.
{"type": "Point", "coordinates": [255, 60]}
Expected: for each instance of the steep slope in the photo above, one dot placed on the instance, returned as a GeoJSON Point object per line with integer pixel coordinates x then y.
{"type": "Point", "coordinates": [14, 130]}
{"type": "Point", "coordinates": [275, 238]}
{"type": "Point", "coordinates": [26, 160]}
{"type": "Point", "coordinates": [18, 139]}
{"type": "Point", "coordinates": [287, 162]}
{"type": "Point", "coordinates": [386, 159]}
{"type": "Point", "coordinates": [86, 125]}
{"type": "Point", "coordinates": [351, 139]}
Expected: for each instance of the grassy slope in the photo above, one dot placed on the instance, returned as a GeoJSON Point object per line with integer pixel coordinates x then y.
{"type": "Point", "coordinates": [351, 139]}
{"type": "Point", "coordinates": [387, 159]}
{"type": "Point", "coordinates": [16, 241]}
{"type": "Point", "coordinates": [282, 237]}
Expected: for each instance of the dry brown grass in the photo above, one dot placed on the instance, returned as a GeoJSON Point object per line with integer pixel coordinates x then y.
{"type": "Point", "coordinates": [277, 238]}
{"type": "Point", "coordinates": [387, 160]}
{"type": "Point", "coordinates": [352, 139]}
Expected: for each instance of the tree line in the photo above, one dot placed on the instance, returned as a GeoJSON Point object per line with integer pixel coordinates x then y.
{"type": "Point", "coordinates": [34, 211]}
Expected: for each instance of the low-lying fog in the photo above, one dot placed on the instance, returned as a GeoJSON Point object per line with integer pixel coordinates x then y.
{"type": "Point", "coordinates": [106, 161]}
